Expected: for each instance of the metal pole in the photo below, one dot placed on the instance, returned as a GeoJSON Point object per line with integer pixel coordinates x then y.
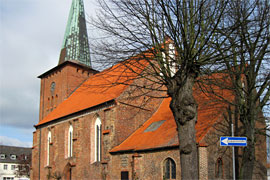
{"type": "Point", "coordinates": [233, 155]}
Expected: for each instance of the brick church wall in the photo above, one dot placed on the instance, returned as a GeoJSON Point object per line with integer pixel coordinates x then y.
{"type": "Point", "coordinates": [215, 152]}
{"type": "Point", "coordinates": [117, 125]}
{"type": "Point", "coordinates": [144, 165]}
{"type": "Point", "coordinates": [35, 155]}
{"type": "Point", "coordinates": [118, 121]}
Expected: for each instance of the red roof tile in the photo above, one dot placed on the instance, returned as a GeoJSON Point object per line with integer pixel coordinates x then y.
{"type": "Point", "coordinates": [99, 88]}
{"type": "Point", "coordinates": [209, 113]}
{"type": "Point", "coordinates": [165, 135]}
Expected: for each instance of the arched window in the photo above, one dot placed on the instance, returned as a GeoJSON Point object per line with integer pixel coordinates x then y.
{"type": "Point", "coordinates": [172, 58]}
{"type": "Point", "coordinates": [70, 141]}
{"type": "Point", "coordinates": [56, 100]}
{"type": "Point", "coordinates": [169, 60]}
{"type": "Point", "coordinates": [98, 140]}
{"type": "Point", "coordinates": [48, 106]}
{"type": "Point", "coordinates": [52, 103]}
{"type": "Point", "coordinates": [219, 168]}
{"type": "Point", "coordinates": [49, 140]}
{"type": "Point", "coordinates": [169, 169]}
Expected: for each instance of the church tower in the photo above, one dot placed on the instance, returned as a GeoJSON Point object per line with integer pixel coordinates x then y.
{"type": "Point", "coordinates": [74, 65]}
{"type": "Point", "coordinates": [75, 44]}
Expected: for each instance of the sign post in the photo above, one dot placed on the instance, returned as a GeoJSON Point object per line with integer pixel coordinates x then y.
{"type": "Point", "coordinates": [233, 156]}
{"type": "Point", "coordinates": [233, 141]}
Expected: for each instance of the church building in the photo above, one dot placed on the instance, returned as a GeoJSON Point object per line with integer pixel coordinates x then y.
{"type": "Point", "coordinates": [99, 125]}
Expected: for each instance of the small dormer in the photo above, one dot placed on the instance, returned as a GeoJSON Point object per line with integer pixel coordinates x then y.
{"type": "Point", "coordinates": [2, 156]}
{"type": "Point", "coordinates": [13, 156]}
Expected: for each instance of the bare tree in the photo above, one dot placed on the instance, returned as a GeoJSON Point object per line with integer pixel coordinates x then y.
{"type": "Point", "coordinates": [142, 27]}
{"type": "Point", "coordinates": [23, 168]}
{"type": "Point", "coordinates": [246, 52]}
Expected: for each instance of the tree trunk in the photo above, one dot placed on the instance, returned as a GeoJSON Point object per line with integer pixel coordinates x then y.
{"type": "Point", "coordinates": [184, 108]}
{"type": "Point", "coordinates": [248, 155]}
{"type": "Point", "coordinates": [248, 114]}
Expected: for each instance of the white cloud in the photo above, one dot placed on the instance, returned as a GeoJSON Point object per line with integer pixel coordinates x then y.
{"type": "Point", "coordinates": [31, 34]}
{"type": "Point", "coordinates": [13, 142]}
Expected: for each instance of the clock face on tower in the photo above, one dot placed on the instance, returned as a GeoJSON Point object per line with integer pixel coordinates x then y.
{"type": "Point", "coordinates": [52, 87]}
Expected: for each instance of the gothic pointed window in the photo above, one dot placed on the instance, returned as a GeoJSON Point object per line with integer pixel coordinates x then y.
{"type": "Point", "coordinates": [48, 147]}
{"type": "Point", "coordinates": [169, 169]}
{"type": "Point", "coordinates": [219, 168]}
{"type": "Point", "coordinates": [98, 140]}
{"type": "Point", "coordinates": [52, 103]}
{"type": "Point", "coordinates": [56, 100]}
{"type": "Point", "coordinates": [172, 58]}
{"type": "Point", "coordinates": [169, 60]}
{"type": "Point", "coordinates": [70, 141]}
{"type": "Point", "coordinates": [48, 106]}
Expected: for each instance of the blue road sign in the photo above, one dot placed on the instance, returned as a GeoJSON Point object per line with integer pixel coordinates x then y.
{"type": "Point", "coordinates": [233, 141]}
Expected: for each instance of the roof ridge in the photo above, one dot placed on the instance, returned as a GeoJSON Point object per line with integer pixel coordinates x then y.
{"type": "Point", "coordinates": [15, 146]}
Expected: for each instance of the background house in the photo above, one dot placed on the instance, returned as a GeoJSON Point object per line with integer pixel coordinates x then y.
{"type": "Point", "coordinates": [15, 163]}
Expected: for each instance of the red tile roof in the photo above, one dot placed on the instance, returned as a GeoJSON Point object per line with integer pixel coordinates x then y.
{"type": "Point", "coordinates": [98, 89]}
{"type": "Point", "coordinates": [165, 135]}
{"type": "Point", "coordinates": [209, 113]}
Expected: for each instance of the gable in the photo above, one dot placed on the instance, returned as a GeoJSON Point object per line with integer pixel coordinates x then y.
{"type": "Point", "coordinates": [99, 88]}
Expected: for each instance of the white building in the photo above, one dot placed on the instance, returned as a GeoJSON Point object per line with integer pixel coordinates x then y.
{"type": "Point", "coordinates": [12, 159]}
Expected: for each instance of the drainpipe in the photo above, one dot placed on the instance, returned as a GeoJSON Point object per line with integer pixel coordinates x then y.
{"type": "Point", "coordinates": [39, 148]}
{"type": "Point", "coordinates": [70, 174]}
{"type": "Point", "coordinates": [198, 159]}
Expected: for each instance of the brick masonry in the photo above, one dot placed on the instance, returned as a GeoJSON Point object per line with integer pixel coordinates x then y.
{"type": "Point", "coordinates": [67, 78]}
{"type": "Point", "coordinates": [119, 120]}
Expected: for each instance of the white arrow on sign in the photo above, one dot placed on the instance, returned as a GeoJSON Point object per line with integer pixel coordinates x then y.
{"type": "Point", "coordinates": [233, 141]}
{"type": "Point", "coordinates": [225, 141]}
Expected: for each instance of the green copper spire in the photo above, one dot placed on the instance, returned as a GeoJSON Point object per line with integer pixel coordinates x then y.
{"type": "Point", "coordinates": [75, 45]}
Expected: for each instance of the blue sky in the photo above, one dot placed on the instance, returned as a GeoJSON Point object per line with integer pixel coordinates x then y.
{"type": "Point", "coordinates": [31, 33]}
